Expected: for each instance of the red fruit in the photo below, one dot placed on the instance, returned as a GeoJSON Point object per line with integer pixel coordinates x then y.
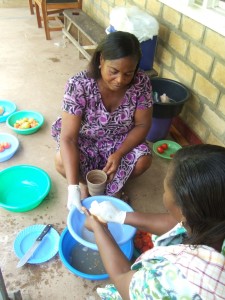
{"type": "Point", "coordinates": [172, 155]}
{"type": "Point", "coordinates": [160, 149]}
{"type": "Point", "coordinates": [6, 145]}
{"type": "Point", "coordinates": [143, 241]}
{"type": "Point", "coordinates": [164, 146]}
{"type": "Point", "coordinates": [144, 249]}
{"type": "Point", "coordinates": [138, 242]}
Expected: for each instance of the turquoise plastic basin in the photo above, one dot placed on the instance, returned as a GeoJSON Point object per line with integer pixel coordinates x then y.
{"type": "Point", "coordinates": [23, 187]}
{"type": "Point", "coordinates": [25, 114]}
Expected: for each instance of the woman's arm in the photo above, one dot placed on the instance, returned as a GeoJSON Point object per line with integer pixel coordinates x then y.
{"type": "Point", "coordinates": [115, 262]}
{"type": "Point", "coordinates": [155, 223]}
{"type": "Point", "coordinates": [151, 222]}
{"type": "Point", "coordinates": [69, 146]}
{"type": "Point", "coordinates": [142, 124]}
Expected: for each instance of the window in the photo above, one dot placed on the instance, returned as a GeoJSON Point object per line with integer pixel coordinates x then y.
{"type": "Point", "coordinates": [198, 2]}
{"type": "Point", "coordinates": [221, 4]}
{"type": "Point", "coordinates": [210, 13]}
{"type": "Point", "coordinates": [216, 4]}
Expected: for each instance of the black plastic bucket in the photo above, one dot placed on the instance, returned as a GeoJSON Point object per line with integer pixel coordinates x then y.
{"type": "Point", "coordinates": [163, 113]}
{"type": "Point", "coordinates": [175, 91]}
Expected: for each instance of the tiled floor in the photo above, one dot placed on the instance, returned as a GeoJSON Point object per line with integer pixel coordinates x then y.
{"type": "Point", "coordinates": [33, 73]}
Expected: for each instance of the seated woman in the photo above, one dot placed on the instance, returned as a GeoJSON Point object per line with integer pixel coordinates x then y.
{"type": "Point", "coordinates": [107, 113]}
{"type": "Point", "coordinates": [188, 260]}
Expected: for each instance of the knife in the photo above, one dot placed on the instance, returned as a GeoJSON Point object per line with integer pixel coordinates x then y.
{"type": "Point", "coordinates": [32, 249]}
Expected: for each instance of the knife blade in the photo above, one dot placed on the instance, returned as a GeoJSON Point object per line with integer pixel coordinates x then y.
{"type": "Point", "coordinates": [33, 248]}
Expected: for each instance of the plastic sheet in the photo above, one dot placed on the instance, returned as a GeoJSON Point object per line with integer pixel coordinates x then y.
{"type": "Point", "coordinates": [134, 20]}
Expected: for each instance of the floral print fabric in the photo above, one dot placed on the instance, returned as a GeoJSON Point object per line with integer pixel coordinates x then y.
{"type": "Point", "coordinates": [175, 272]}
{"type": "Point", "coordinates": [102, 132]}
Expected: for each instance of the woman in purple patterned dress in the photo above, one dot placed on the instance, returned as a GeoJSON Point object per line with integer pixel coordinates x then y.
{"type": "Point", "coordinates": [107, 113]}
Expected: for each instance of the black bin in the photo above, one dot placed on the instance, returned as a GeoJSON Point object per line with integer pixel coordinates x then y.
{"type": "Point", "coordinates": [163, 113]}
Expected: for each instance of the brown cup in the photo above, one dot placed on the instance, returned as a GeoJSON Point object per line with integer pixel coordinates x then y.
{"type": "Point", "coordinates": [96, 182]}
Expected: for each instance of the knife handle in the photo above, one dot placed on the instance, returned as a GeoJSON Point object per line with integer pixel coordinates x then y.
{"type": "Point", "coordinates": [44, 232]}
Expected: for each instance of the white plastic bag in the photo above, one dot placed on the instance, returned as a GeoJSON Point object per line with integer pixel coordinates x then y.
{"type": "Point", "coordinates": [134, 20]}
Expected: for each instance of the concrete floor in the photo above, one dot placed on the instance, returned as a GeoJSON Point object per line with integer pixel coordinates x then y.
{"type": "Point", "coordinates": [33, 73]}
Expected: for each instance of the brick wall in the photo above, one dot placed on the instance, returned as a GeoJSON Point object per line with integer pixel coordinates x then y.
{"type": "Point", "coordinates": [189, 53]}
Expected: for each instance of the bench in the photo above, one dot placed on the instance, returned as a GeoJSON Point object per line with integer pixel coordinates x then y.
{"type": "Point", "coordinates": [86, 34]}
{"type": "Point", "coordinates": [82, 31]}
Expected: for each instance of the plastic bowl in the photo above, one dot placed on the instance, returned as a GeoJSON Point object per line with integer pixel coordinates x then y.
{"type": "Point", "coordinates": [83, 262]}
{"type": "Point", "coordinates": [9, 108]}
{"type": "Point", "coordinates": [172, 148]}
{"type": "Point", "coordinates": [25, 114]}
{"type": "Point", "coordinates": [8, 153]}
{"type": "Point", "coordinates": [122, 233]}
{"type": "Point", "coordinates": [23, 187]}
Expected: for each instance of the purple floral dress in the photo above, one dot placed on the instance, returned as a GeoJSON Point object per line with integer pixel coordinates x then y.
{"type": "Point", "coordinates": [102, 132]}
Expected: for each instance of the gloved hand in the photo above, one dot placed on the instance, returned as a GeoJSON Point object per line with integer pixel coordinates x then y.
{"type": "Point", "coordinates": [107, 212]}
{"type": "Point", "coordinates": [74, 197]}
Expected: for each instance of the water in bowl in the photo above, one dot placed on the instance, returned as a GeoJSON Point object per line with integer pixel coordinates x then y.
{"type": "Point", "coordinates": [86, 260]}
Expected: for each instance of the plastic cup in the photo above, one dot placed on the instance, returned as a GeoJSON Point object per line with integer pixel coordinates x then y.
{"type": "Point", "coordinates": [96, 182]}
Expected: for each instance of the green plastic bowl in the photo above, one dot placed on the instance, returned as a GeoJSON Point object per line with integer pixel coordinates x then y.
{"type": "Point", "coordinates": [23, 187]}
{"type": "Point", "coordinates": [172, 148]}
{"type": "Point", "coordinates": [11, 120]}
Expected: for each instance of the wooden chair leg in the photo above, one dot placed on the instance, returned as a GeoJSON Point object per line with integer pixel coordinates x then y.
{"type": "Point", "coordinates": [40, 5]}
{"type": "Point", "coordinates": [31, 5]}
{"type": "Point", "coordinates": [38, 15]}
{"type": "Point", "coordinates": [45, 20]}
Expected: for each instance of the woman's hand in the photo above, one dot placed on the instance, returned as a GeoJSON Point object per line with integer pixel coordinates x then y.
{"type": "Point", "coordinates": [107, 212]}
{"type": "Point", "coordinates": [112, 165]}
{"type": "Point", "coordinates": [114, 260]}
{"type": "Point", "coordinates": [91, 221]}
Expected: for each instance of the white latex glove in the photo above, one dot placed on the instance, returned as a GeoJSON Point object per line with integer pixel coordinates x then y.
{"type": "Point", "coordinates": [74, 197]}
{"type": "Point", "coordinates": [107, 212]}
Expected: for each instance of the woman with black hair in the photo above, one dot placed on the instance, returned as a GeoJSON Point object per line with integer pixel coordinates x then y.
{"type": "Point", "coordinates": [107, 113]}
{"type": "Point", "coordinates": [188, 257]}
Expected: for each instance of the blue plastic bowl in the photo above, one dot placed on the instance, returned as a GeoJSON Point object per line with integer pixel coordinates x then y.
{"type": "Point", "coordinates": [9, 108]}
{"type": "Point", "coordinates": [14, 144]}
{"type": "Point", "coordinates": [23, 187]}
{"type": "Point", "coordinates": [122, 233]}
{"type": "Point", "coordinates": [67, 244]}
{"type": "Point", "coordinates": [8, 153]}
